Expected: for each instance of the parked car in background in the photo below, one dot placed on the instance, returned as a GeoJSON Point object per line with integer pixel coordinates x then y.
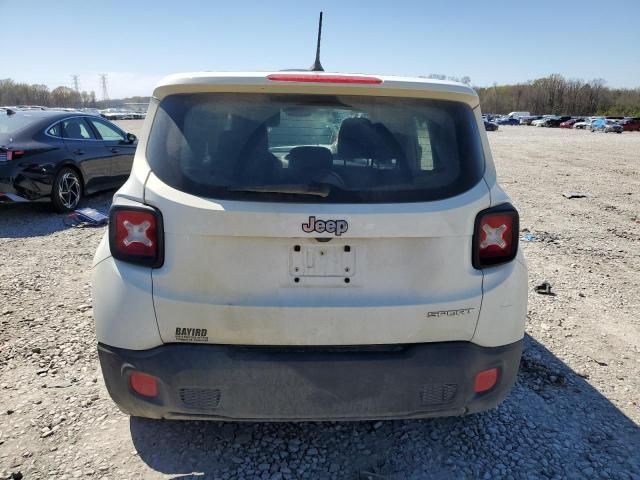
{"type": "Point", "coordinates": [518, 115]}
{"type": "Point", "coordinates": [91, 111]}
{"type": "Point", "coordinates": [556, 121]}
{"type": "Point", "coordinates": [60, 156]}
{"type": "Point", "coordinates": [508, 121]}
{"type": "Point", "coordinates": [490, 126]}
{"type": "Point", "coordinates": [630, 124]}
{"type": "Point", "coordinates": [606, 126]}
{"type": "Point", "coordinates": [571, 122]}
{"type": "Point", "coordinates": [490, 117]}
{"type": "Point", "coordinates": [117, 114]}
{"type": "Point", "coordinates": [31, 107]}
{"type": "Point", "coordinates": [64, 109]}
{"type": "Point", "coordinates": [540, 122]}
{"type": "Point", "coordinates": [583, 124]}
{"type": "Point", "coordinates": [529, 119]}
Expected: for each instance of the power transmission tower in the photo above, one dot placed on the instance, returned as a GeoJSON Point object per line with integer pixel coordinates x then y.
{"type": "Point", "coordinates": [76, 85]}
{"type": "Point", "coordinates": [103, 82]}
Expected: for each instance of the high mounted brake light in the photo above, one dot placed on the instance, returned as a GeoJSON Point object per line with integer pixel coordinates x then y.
{"type": "Point", "coordinates": [314, 78]}
{"type": "Point", "coordinates": [495, 236]}
{"type": "Point", "coordinates": [136, 235]}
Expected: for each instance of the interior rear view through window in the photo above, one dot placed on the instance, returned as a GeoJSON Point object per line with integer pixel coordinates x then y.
{"type": "Point", "coordinates": [311, 148]}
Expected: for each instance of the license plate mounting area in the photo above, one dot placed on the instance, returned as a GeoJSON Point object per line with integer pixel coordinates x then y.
{"type": "Point", "coordinates": [322, 261]}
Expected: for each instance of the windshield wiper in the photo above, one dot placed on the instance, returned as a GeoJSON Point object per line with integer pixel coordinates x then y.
{"type": "Point", "coordinates": [316, 189]}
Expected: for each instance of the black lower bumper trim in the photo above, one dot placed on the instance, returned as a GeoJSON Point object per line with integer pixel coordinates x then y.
{"type": "Point", "coordinates": [224, 382]}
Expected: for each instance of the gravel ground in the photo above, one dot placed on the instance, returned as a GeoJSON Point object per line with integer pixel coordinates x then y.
{"type": "Point", "coordinates": [573, 413]}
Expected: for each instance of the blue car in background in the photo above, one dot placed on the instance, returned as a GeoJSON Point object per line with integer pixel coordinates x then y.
{"type": "Point", "coordinates": [606, 126]}
{"type": "Point", "coordinates": [508, 121]}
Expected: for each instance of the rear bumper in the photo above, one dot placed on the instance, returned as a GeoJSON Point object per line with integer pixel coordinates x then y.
{"type": "Point", "coordinates": [11, 191]}
{"type": "Point", "coordinates": [7, 190]}
{"type": "Point", "coordinates": [224, 382]}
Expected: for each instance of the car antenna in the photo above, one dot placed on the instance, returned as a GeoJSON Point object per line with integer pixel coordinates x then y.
{"type": "Point", "coordinates": [317, 66]}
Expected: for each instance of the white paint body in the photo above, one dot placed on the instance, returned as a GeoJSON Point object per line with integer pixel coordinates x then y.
{"type": "Point", "coordinates": [228, 264]}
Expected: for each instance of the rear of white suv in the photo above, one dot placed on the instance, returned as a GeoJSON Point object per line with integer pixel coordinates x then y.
{"type": "Point", "coordinates": [296, 246]}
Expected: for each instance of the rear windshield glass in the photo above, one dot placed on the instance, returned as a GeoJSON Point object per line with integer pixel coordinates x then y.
{"type": "Point", "coordinates": [14, 122]}
{"type": "Point", "coordinates": [315, 148]}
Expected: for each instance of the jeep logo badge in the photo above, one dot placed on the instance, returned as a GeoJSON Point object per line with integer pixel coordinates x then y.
{"type": "Point", "coordinates": [330, 226]}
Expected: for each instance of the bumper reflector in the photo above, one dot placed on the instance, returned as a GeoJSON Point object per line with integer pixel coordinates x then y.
{"type": "Point", "coordinates": [486, 380]}
{"type": "Point", "coordinates": [143, 384]}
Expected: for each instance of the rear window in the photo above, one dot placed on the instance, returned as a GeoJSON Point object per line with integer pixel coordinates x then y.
{"type": "Point", "coordinates": [315, 148]}
{"type": "Point", "coordinates": [14, 122]}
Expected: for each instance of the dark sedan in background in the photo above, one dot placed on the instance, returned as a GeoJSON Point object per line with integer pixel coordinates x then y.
{"type": "Point", "coordinates": [490, 126]}
{"type": "Point", "coordinates": [60, 156]}
{"type": "Point", "coordinates": [555, 122]}
{"type": "Point", "coordinates": [508, 121]}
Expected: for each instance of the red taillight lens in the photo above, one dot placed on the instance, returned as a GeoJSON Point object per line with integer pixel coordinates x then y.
{"type": "Point", "coordinates": [495, 238]}
{"type": "Point", "coordinates": [315, 78]}
{"type": "Point", "coordinates": [6, 155]}
{"type": "Point", "coordinates": [143, 384]}
{"type": "Point", "coordinates": [485, 380]}
{"type": "Point", "coordinates": [136, 235]}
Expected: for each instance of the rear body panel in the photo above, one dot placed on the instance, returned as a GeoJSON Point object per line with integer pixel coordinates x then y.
{"type": "Point", "coordinates": [227, 270]}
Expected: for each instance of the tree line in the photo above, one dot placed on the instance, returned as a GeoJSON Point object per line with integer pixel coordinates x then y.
{"type": "Point", "coordinates": [15, 93]}
{"type": "Point", "coordinates": [560, 96]}
{"type": "Point", "coordinates": [549, 95]}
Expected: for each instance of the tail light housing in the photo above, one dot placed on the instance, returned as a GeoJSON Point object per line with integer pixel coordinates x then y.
{"type": "Point", "coordinates": [8, 155]}
{"type": "Point", "coordinates": [136, 235]}
{"type": "Point", "coordinates": [495, 236]}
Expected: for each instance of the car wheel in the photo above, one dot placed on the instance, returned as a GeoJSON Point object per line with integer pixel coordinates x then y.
{"type": "Point", "coordinates": [66, 192]}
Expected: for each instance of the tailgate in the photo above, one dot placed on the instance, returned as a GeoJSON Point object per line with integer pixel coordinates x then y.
{"type": "Point", "coordinates": [248, 273]}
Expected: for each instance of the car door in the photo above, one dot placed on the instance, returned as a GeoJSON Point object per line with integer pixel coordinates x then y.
{"type": "Point", "coordinates": [87, 152]}
{"type": "Point", "coordinates": [117, 146]}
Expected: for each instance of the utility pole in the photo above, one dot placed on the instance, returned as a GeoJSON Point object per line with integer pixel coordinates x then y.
{"type": "Point", "coordinates": [76, 85]}
{"type": "Point", "coordinates": [103, 82]}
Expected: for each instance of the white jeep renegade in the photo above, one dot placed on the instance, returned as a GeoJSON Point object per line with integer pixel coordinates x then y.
{"type": "Point", "coordinates": [304, 246]}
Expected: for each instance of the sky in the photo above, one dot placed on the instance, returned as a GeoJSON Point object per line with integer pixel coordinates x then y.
{"type": "Point", "coordinates": [137, 42]}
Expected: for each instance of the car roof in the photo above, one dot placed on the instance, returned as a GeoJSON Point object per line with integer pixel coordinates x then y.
{"type": "Point", "coordinates": [41, 119]}
{"type": "Point", "coordinates": [256, 82]}
{"type": "Point", "coordinates": [42, 114]}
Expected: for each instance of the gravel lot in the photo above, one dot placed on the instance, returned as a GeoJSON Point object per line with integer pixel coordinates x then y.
{"type": "Point", "coordinates": [574, 412]}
